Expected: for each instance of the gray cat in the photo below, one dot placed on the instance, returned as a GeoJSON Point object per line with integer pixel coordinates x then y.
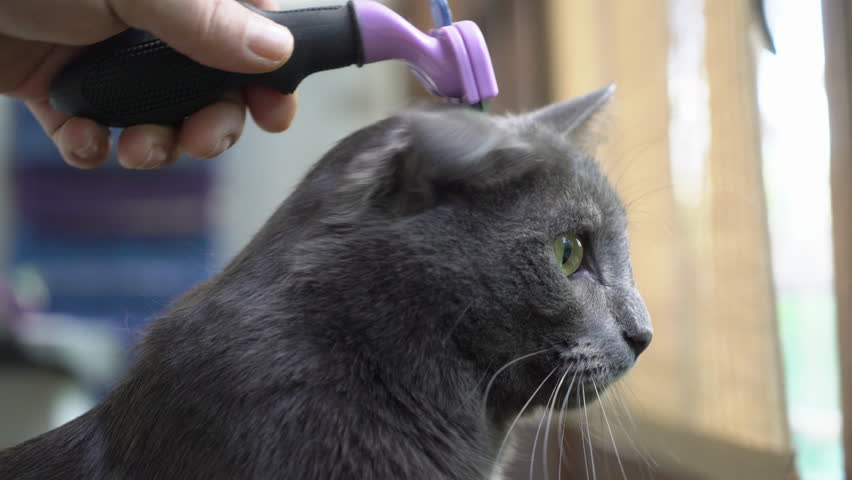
{"type": "Point", "coordinates": [361, 333]}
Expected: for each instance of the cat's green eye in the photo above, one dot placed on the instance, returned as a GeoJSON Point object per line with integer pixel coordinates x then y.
{"type": "Point", "coordinates": [569, 252]}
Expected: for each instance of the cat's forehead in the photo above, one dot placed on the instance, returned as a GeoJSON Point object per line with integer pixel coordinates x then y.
{"type": "Point", "coordinates": [568, 178]}
{"type": "Point", "coordinates": [494, 151]}
{"type": "Point", "coordinates": [553, 149]}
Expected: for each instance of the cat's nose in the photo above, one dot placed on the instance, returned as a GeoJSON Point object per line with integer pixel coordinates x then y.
{"type": "Point", "coordinates": [638, 339]}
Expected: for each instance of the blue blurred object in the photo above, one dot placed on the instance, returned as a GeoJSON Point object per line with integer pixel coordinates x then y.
{"type": "Point", "coordinates": [109, 243]}
{"type": "Point", "coordinates": [441, 14]}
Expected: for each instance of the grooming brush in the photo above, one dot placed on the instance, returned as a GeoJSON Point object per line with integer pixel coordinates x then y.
{"type": "Point", "coordinates": [134, 78]}
{"type": "Point", "coordinates": [442, 17]}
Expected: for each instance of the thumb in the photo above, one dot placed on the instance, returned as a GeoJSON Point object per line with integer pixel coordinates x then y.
{"type": "Point", "coordinates": [223, 34]}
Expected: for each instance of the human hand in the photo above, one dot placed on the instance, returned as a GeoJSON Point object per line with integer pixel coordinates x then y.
{"type": "Point", "coordinates": [39, 37]}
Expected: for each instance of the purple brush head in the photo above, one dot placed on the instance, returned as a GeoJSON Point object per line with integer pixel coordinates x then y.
{"type": "Point", "coordinates": [452, 62]}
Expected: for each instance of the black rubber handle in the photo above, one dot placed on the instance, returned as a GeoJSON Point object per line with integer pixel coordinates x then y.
{"type": "Point", "coordinates": [134, 78]}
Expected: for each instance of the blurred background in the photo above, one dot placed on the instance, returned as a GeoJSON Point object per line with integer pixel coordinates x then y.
{"type": "Point", "coordinates": [725, 153]}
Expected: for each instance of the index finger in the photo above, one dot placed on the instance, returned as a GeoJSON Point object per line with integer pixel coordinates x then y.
{"type": "Point", "coordinates": [220, 33]}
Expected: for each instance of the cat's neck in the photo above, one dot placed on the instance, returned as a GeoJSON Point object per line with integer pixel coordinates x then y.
{"type": "Point", "coordinates": [427, 409]}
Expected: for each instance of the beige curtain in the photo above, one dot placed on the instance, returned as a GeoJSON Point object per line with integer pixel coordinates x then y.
{"type": "Point", "coordinates": [708, 394]}
{"type": "Point", "coordinates": [837, 19]}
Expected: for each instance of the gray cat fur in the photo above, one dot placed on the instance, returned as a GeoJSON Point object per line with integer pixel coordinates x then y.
{"type": "Point", "coordinates": [353, 338]}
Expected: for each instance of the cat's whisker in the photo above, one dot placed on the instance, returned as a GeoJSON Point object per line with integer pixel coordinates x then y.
{"type": "Point", "coordinates": [561, 439]}
{"type": "Point", "coordinates": [583, 431]}
{"type": "Point", "coordinates": [632, 155]}
{"type": "Point", "coordinates": [502, 369]}
{"type": "Point", "coordinates": [588, 433]}
{"type": "Point", "coordinates": [617, 416]}
{"type": "Point", "coordinates": [646, 456]}
{"type": "Point", "coordinates": [626, 409]}
{"type": "Point", "coordinates": [611, 436]}
{"type": "Point", "coordinates": [630, 390]}
{"type": "Point", "coordinates": [653, 191]}
{"type": "Point", "coordinates": [523, 409]}
{"type": "Point", "coordinates": [550, 399]}
{"type": "Point", "coordinates": [549, 412]}
{"type": "Point", "coordinates": [562, 424]}
{"type": "Point", "coordinates": [455, 324]}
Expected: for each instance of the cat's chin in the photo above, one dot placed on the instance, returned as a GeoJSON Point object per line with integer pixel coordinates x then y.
{"type": "Point", "coordinates": [583, 375]}
{"type": "Point", "coordinates": [578, 386]}
{"type": "Point", "coordinates": [587, 367]}
{"type": "Point", "coordinates": [569, 377]}
{"type": "Point", "coordinates": [581, 394]}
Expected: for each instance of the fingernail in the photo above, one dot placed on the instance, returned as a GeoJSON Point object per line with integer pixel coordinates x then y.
{"type": "Point", "coordinates": [157, 155]}
{"type": "Point", "coordinates": [88, 150]}
{"type": "Point", "coordinates": [271, 42]}
{"type": "Point", "coordinates": [224, 145]}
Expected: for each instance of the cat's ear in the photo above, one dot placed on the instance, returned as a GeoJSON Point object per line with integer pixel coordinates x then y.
{"type": "Point", "coordinates": [370, 170]}
{"type": "Point", "coordinates": [575, 118]}
{"type": "Point", "coordinates": [463, 148]}
{"type": "Point", "coordinates": [407, 163]}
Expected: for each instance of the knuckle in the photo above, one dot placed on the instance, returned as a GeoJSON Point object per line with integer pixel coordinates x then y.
{"type": "Point", "coordinates": [210, 21]}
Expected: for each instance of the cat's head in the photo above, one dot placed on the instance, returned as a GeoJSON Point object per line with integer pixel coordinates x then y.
{"type": "Point", "coordinates": [495, 238]}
